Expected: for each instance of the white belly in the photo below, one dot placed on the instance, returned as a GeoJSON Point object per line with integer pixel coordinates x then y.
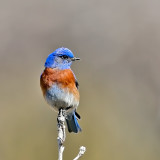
{"type": "Point", "coordinates": [60, 98]}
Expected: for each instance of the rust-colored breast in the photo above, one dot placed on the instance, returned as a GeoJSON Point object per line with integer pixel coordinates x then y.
{"type": "Point", "coordinates": [62, 78]}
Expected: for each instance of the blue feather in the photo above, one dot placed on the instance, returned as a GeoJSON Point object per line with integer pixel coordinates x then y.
{"type": "Point", "coordinates": [72, 123]}
{"type": "Point", "coordinates": [54, 60]}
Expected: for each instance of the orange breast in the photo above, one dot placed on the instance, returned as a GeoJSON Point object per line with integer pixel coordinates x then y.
{"type": "Point", "coordinates": [62, 78]}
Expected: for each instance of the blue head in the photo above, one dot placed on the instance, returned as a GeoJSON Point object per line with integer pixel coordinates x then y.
{"type": "Point", "coordinates": [61, 58]}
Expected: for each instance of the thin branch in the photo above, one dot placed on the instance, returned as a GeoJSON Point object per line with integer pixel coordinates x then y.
{"type": "Point", "coordinates": [62, 136]}
{"type": "Point", "coordinates": [61, 133]}
{"type": "Point", "coordinates": [81, 152]}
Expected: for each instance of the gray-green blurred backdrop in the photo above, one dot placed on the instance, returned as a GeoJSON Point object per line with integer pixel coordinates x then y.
{"type": "Point", "coordinates": [119, 44]}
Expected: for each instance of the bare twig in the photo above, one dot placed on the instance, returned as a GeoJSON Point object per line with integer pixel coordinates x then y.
{"type": "Point", "coordinates": [61, 133]}
{"type": "Point", "coordinates": [62, 136]}
{"type": "Point", "coordinates": [81, 152]}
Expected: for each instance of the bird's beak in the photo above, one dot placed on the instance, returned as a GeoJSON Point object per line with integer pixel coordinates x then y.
{"type": "Point", "coordinates": [74, 59]}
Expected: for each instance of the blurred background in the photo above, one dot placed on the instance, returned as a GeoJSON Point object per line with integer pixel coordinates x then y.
{"type": "Point", "coordinates": [119, 44]}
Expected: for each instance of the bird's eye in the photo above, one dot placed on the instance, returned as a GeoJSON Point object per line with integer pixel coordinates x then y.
{"type": "Point", "coordinates": [64, 57]}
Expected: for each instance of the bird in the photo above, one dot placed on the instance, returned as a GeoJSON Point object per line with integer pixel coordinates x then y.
{"type": "Point", "coordinates": [60, 86]}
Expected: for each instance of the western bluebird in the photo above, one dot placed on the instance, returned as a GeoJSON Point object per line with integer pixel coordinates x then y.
{"type": "Point", "coordinates": [60, 86]}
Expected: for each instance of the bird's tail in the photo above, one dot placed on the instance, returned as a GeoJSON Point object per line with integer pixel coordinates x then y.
{"type": "Point", "coordinates": [72, 123]}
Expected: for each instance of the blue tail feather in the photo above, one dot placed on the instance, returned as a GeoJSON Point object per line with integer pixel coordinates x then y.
{"type": "Point", "coordinates": [72, 123]}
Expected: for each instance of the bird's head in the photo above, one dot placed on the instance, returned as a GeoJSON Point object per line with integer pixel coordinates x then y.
{"type": "Point", "coordinates": [61, 58]}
